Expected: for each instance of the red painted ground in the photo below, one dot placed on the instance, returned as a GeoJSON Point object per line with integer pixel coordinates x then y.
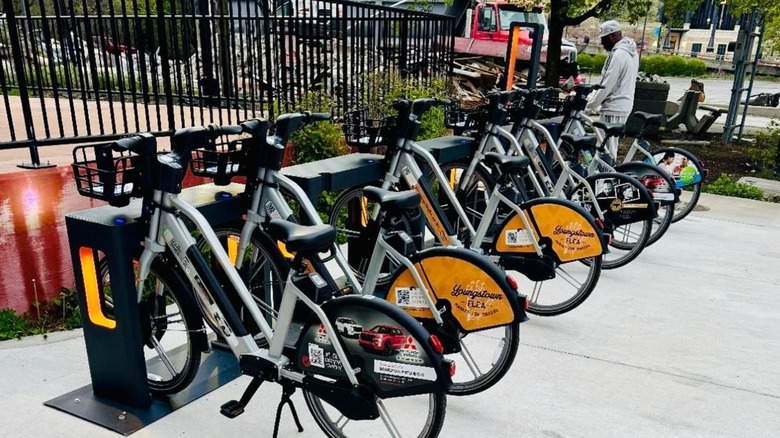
{"type": "Point", "coordinates": [34, 252]}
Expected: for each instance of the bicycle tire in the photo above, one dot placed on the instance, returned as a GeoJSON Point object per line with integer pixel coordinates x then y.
{"type": "Point", "coordinates": [363, 232]}
{"type": "Point", "coordinates": [500, 365]}
{"type": "Point", "coordinates": [266, 287]}
{"type": "Point", "coordinates": [471, 196]}
{"type": "Point", "coordinates": [632, 250]}
{"type": "Point", "coordinates": [661, 223]}
{"type": "Point", "coordinates": [594, 265]}
{"type": "Point", "coordinates": [683, 208]}
{"type": "Point", "coordinates": [332, 427]}
{"type": "Point", "coordinates": [179, 293]}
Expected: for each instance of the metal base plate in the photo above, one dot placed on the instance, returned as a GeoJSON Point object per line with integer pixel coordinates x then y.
{"type": "Point", "coordinates": [35, 166]}
{"type": "Point", "coordinates": [216, 369]}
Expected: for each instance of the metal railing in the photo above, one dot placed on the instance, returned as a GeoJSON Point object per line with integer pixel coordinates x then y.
{"type": "Point", "coordinates": [80, 70]}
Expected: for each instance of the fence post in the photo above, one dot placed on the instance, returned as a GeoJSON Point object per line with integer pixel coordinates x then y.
{"type": "Point", "coordinates": [21, 80]}
{"type": "Point", "coordinates": [166, 67]}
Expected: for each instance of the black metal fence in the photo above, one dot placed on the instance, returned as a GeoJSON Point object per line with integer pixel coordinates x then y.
{"type": "Point", "coordinates": [85, 70]}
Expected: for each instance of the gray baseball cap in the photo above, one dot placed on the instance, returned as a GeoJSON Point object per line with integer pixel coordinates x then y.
{"type": "Point", "coordinates": [608, 28]}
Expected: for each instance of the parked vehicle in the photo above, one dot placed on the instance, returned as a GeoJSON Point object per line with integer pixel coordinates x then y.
{"type": "Point", "coordinates": [348, 327]}
{"type": "Point", "coordinates": [384, 339]}
{"type": "Point", "coordinates": [486, 34]}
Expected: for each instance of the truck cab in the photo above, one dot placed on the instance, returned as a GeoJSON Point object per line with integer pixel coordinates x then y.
{"type": "Point", "coordinates": [486, 34]}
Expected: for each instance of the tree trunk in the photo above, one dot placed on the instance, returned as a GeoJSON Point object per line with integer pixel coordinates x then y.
{"type": "Point", "coordinates": [553, 50]}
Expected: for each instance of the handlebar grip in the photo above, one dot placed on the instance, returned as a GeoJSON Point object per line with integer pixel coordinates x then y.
{"type": "Point", "coordinates": [317, 117]}
{"type": "Point", "coordinates": [226, 130]}
{"type": "Point", "coordinates": [402, 104]}
{"type": "Point", "coordinates": [142, 144]}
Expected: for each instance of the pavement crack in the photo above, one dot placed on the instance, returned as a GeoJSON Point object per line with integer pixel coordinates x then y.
{"type": "Point", "coordinates": [652, 370]}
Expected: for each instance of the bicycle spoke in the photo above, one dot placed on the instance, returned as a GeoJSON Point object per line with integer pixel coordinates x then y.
{"type": "Point", "coordinates": [391, 427]}
{"type": "Point", "coordinates": [469, 359]}
{"type": "Point", "coordinates": [535, 293]}
{"type": "Point", "coordinates": [163, 355]}
{"type": "Point", "coordinates": [341, 427]}
{"type": "Point", "coordinates": [568, 278]}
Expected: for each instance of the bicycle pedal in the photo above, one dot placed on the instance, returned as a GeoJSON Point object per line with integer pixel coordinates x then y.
{"type": "Point", "coordinates": [232, 409]}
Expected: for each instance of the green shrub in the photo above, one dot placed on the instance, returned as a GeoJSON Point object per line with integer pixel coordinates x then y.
{"type": "Point", "coordinates": [12, 326]}
{"type": "Point", "coordinates": [763, 152]}
{"type": "Point", "coordinates": [665, 65]}
{"type": "Point", "coordinates": [696, 68]}
{"type": "Point", "coordinates": [728, 186]}
{"type": "Point", "coordinates": [317, 141]}
{"type": "Point", "coordinates": [390, 86]}
{"type": "Point", "coordinates": [61, 313]}
{"type": "Point", "coordinates": [591, 63]}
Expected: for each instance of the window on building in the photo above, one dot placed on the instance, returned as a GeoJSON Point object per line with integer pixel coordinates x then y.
{"type": "Point", "coordinates": [721, 51]}
{"type": "Point", "coordinates": [695, 50]}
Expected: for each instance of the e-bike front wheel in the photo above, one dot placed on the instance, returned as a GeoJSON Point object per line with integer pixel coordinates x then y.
{"type": "Point", "coordinates": [627, 243]}
{"type": "Point", "coordinates": [419, 416]}
{"type": "Point", "coordinates": [170, 320]}
{"type": "Point", "coordinates": [661, 223]}
{"type": "Point", "coordinates": [689, 197]}
{"type": "Point", "coordinates": [484, 359]}
{"type": "Point", "coordinates": [263, 270]}
{"type": "Point", "coordinates": [554, 296]}
{"type": "Point", "coordinates": [357, 234]}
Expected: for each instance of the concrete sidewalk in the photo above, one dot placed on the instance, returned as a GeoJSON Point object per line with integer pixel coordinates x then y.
{"type": "Point", "coordinates": [682, 342]}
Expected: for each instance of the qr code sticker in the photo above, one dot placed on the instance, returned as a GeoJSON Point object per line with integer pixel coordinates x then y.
{"type": "Point", "coordinates": [316, 356]}
{"type": "Point", "coordinates": [409, 297]}
{"type": "Point", "coordinates": [403, 297]}
{"type": "Point", "coordinates": [518, 237]}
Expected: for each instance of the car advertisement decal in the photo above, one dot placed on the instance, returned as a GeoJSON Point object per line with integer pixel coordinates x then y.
{"type": "Point", "coordinates": [379, 347]}
{"type": "Point", "coordinates": [685, 171]}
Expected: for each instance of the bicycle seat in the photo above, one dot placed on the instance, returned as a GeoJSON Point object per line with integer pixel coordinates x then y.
{"type": "Point", "coordinates": [649, 117]}
{"type": "Point", "coordinates": [612, 129]}
{"type": "Point", "coordinates": [506, 163]}
{"type": "Point", "coordinates": [302, 238]}
{"type": "Point", "coordinates": [580, 142]}
{"type": "Point", "coordinates": [405, 200]}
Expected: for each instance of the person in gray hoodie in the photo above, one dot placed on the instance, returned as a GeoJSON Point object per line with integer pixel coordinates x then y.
{"type": "Point", "coordinates": [618, 77]}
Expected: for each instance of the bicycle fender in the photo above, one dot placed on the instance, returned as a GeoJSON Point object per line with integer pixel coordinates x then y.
{"type": "Point", "coordinates": [572, 231]}
{"type": "Point", "coordinates": [475, 291]}
{"type": "Point", "coordinates": [393, 351]}
{"type": "Point", "coordinates": [628, 202]}
{"type": "Point", "coordinates": [660, 184]}
{"type": "Point", "coordinates": [693, 173]}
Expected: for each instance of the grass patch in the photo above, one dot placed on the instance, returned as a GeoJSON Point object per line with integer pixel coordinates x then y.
{"type": "Point", "coordinates": [727, 186]}
{"type": "Point", "coordinates": [59, 314]}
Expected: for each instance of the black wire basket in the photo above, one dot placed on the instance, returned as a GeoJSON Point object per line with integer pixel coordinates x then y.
{"type": "Point", "coordinates": [552, 105]}
{"type": "Point", "coordinates": [220, 161]}
{"type": "Point", "coordinates": [461, 120]}
{"type": "Point", "coordinates": [364, 133]}
{"type": "Point", "coordinates": [102, 173]}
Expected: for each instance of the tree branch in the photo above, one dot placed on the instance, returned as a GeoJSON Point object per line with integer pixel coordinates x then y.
{"type": "Point", "coordinates": [599, 9]}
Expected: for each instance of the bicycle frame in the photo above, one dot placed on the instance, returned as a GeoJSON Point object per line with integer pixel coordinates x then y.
{"type": "Point", "coordinates": [268, 202]}
{"type": "Point", "coordinates": [403, 163]}
{"type": "Point", "coordinates": [168, 230]}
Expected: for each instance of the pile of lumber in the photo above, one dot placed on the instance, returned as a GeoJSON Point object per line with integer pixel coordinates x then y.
{"type": "Point", "coordinates": [473, 77]}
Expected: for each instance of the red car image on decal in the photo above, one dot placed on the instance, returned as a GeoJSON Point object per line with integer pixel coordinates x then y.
{"type": "Point", "coordinates": [384, 339]}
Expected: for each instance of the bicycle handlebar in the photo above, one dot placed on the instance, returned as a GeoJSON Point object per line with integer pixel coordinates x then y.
{"type": "Point", "coordinates": [142, 144]}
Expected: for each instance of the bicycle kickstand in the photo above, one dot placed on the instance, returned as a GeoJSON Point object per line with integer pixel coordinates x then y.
{"type": "Point", "coordinates": [287, 391]}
